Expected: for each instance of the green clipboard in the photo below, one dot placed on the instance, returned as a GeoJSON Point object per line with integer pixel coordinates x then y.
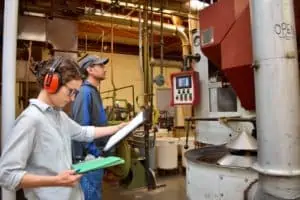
{"type": "Point", "coordinates": [99, 163]}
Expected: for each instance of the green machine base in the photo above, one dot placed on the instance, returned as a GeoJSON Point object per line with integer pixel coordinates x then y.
{"type": "Point", "coordinates": [132, 173]}
{"type": "Point", "coordinates": [136, 177]}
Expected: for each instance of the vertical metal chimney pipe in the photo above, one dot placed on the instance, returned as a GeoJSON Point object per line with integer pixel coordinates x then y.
{"type": "Point", "coordinates": [9, 75]}
{"type": "Point", "coordinates": [277, 99]}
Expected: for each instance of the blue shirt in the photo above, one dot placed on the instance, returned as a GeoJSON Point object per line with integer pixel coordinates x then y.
{"type": "Point", "coordinates": [87, 109]}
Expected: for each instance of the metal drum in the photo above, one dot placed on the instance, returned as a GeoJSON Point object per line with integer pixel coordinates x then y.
{"type": "Point", "coordinates": [206, 179]}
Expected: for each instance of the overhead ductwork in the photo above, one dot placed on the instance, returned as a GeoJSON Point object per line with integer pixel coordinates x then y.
{"type": "Point", "coordinates": [170, 8]}
{"type": "Point", "coordinates": [97, 15]}
{"type": "Point", "coordinates": [27, 24]}
{"type": "Point", "coordinates": [60, 33]}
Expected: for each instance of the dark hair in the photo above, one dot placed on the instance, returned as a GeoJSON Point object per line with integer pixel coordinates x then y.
{"type": "Point", "coordinates": [68, 70]}
{"type": "Point", "coordinates": [84, 72]}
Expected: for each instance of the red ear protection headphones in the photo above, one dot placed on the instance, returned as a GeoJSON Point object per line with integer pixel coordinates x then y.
{"type": "Point", "coordinates": [52, 81]}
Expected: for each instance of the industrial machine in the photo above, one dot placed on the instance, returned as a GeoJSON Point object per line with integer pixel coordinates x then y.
{"type": "Point", "coordinates": [221, 121]}
{"type": "Point", "coordinates": [132, 174]}
{"type": "Point", "coordinates": [119, 109]}
{"type": "Point", "coordinates": [247, 128]}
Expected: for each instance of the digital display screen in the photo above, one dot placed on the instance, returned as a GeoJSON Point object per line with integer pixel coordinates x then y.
{"type": "Point", "coordinates": [183, 82]}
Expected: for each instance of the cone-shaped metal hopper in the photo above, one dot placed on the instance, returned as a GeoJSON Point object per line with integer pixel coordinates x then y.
{"type": "Point", "coordinates": [243, 141]}
{"type": "Point", "coordinates": [237, 161]}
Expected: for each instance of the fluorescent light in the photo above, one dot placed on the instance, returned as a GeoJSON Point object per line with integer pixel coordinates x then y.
{"type": "Point", "coordinates": [34, 14]}
{"type": "Point", "coordinates": [198, 5]}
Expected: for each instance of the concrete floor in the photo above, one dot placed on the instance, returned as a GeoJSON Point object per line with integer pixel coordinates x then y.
{"type": "Point", "coordinates": [174, 190]}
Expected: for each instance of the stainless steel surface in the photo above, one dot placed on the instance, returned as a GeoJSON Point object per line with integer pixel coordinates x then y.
{"type": "Point", "coordinates": [209, 132]}
{"type": "Point", "coordinates": [60, 33]}
{"type": "Point", "coordinates": [239, 161]}
{"type": "Point", "coordinates": [206, 132]}
{"type": "Point", "coordinates": [8, 106]}
{"type": "Point", "coordinates": [202, 110]}
{"type": "Point", "coordinates": [277, 88]}
{"type": "Point", "coordinates": [244, 141]}
{"type": "Point", "coordinates": [277, 97]}
{"type": "Point", "coordinates": [205, 179]}
{"type": "Point", "coordinates": [32, 28]}
{"type": "Point", "coordinates": [279, 187]}
{"type": "Point", "coordinates": [213, 133]}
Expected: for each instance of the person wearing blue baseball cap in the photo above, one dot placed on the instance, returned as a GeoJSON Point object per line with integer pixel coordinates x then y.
{"type": "Point", "coordinates": [87, 109]}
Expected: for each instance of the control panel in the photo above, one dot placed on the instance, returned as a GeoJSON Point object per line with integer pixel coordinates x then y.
{"type": "Point", "coordinates": [185, 88]}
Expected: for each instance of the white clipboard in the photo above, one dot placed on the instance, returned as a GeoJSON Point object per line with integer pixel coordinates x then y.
{"type": "Point", "coordinates": [122, 133]}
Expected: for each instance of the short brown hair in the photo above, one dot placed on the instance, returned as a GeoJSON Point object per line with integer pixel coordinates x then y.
{"type": "Point", "coordinates": [68, 70]}
{"type": "Point", "coordinates": [84, 72]}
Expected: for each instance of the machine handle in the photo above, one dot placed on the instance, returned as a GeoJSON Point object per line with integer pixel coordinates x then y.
{"type": "Point", "coordinates": [186, 146]}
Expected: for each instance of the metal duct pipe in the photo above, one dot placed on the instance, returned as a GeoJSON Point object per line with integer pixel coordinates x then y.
{"type": "Point", "coordinates": [167, 63]}
{"type": "Point", "coordinates": [147, 84]}
{"type": "Point", "coordinates": [161, 38]}
{"type": "Point", "coordinates": [9, 76]}
{"type": "Point", "coordinates": [170, 7]}
{"type": "Point", "coordinates": [140, 41]}
{"type": "Point", "coordinates": [277, 99]}
{"type": "Point", "coordinates": [56, 32]}
{"type": "Point", "coordinates": [132, 21]}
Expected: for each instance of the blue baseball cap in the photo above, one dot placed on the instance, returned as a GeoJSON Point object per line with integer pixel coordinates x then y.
{"type": "Point", "coordinates": [92, 60]}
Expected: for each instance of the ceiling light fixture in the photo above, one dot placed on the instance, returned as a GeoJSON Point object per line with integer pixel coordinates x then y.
{"type": "Point", "coordinates": [34, 14]}
{"type": "Point", "coordinates": [198, 5]}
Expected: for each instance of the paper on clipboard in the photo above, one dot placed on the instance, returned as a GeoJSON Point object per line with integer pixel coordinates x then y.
{"type": "Point", "coordinates": [121, 134]}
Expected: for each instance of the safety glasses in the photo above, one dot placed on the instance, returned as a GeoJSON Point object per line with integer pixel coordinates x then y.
{"type": "Point", "coordinates": [71, 91]}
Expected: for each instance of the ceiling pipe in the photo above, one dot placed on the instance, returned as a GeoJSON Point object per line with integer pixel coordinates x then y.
{"type": "Point", "coordinates": [161, 40]}
{"type": "Point", "coordinates": [167, 63]}
{"type": "Point", "coordinates": [93, 15]}
{"type": "Point", "coordinates": [170, 9]}
{"type": "Point", "coordinates": [140, 41]}
{"type": "Point", "coordinates": [97, 15]}
{"type": "Point", "coordinates": [177, 20]}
